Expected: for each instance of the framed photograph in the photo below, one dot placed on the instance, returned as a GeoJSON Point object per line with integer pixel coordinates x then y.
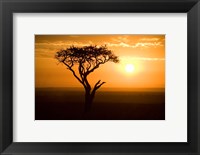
{"type": "Point", "coordinates": [102, 77]}
{"type": "Point", "coordinates": [120, 60]}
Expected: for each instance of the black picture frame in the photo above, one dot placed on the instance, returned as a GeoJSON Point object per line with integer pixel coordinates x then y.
{"type": "Point", "coordinates": [8, 7]}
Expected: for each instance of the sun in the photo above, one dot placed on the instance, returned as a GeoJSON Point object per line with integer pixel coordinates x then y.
{"type": "Point", "coordinates": [129, 68]}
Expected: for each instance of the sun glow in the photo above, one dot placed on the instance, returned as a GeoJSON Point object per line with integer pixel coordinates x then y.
{"type": "Point", "coordinates": [129, 68]}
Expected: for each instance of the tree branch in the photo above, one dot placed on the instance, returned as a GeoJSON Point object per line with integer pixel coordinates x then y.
{"type": "Point", "coordinates": [70, 68]}
{"type": "Point", "coordinates": [100, 85]}
{"type": "Point", "coordinates": [97, 86]}
{"type": "Point", "coordinates": [83, 77]}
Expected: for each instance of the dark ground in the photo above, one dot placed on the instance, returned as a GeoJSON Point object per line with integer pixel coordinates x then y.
{"type": "Point", "coordinates": [68, 104]}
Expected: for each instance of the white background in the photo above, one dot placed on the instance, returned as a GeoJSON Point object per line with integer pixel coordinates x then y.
{"type": "Point", "coordinates": [172, 129]}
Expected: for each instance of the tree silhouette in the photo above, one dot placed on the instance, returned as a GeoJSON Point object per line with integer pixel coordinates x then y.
{"type": "Point", "coordinates": [87, 59]}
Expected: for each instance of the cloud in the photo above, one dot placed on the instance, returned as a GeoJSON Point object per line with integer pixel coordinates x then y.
{"type": "Point", "coordinates": [130, 59]}
{"type": "Point", "coordinates": [150, 39]}
{"type": "Point", "coordinates": [149, 59]}
{"type": "Point", "coordinates": [136, 45]}
{"type": "Point", "coordinates": [64, 43]}
{"type": "Point", "coordinates": [48, 49]}
{"type": "Point", "coordinates": [123, 39]}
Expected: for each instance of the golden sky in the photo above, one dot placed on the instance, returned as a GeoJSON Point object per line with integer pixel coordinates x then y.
{"type": "Point", "coordinates": [142, 61]}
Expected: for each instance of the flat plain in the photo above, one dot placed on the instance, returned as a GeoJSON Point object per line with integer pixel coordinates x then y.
{"type": "Point", "coordinates": [110, 104]}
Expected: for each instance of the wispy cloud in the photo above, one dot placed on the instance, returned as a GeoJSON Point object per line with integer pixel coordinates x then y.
{"type": "Point", "coordinates": [121, 39]}
{"type": "Point", "coordinates": [125, 41]}
{"type": "Point", "coordinates": [136, 45]}
{"type": "Point", "coordinates": [148, 59]}
{"type": "Point", "coordinates": [131, 59]}
{"type": "Point", "coordinates": [150, 39]}
{"type": "Point", "coordinates": [63, 43]}
{"type": "Point", "coordinates": [48, 48]}
{"type": "Point", "coordinates": [117, 42]}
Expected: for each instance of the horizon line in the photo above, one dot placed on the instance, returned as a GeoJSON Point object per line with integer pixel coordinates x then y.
{"type": "Point", "coordinates": [112, 87]}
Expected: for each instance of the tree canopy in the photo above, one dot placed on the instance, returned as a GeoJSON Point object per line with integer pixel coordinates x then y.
{"type": "Point", "coordinates": [90, 57]}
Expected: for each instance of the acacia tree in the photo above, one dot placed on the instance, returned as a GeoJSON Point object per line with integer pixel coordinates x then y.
{"type": "Point", "coordinates": [82, 61]}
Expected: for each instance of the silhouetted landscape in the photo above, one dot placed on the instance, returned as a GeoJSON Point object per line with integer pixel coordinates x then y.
{"type": "Point", "coordinates": [100, 77]}
{"type": "Point", "coordinates": [109, 104]}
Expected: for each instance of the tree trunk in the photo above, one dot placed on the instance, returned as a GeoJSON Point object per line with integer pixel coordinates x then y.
{"type": "Point", "coordinates": [88, 101]}
{"type": "Point", "coordinates": [89, 95]}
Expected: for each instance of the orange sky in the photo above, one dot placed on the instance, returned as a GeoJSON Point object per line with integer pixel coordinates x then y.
{"type": "Point", "coordinates": [146, 53]}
